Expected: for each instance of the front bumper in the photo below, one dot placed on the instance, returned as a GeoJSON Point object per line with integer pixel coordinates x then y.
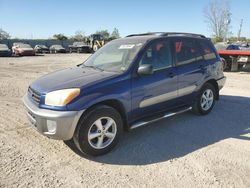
{"type": "Point", "coordinates": [58, 125]}
{"type": "Point", "coordinates": [221, 82]}
{"type": "Point", "coordinates": [5, 53]}
{"type": "Point", "coordinates": [27, 53]}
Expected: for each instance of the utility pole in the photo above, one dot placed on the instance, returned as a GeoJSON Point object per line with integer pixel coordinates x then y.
{"type": "Point", "coordinates": [227, 22]}
{"type": "Point", "coordinates": [239, 33]}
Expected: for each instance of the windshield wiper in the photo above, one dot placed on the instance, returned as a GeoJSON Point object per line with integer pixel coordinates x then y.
{"type": "Point", "coordinates": [93, 67]}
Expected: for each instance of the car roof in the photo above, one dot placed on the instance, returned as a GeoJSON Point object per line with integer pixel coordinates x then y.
{"type": "Point", "coordinates": [168, 34]}
{"type": "Point", "coordinates": [137, 38]}
{"type": "Point", "coordinates": [149, 36]}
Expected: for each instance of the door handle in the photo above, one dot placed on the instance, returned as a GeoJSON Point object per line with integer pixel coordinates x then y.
{"type": "Point", "coordinates": [171, 74]}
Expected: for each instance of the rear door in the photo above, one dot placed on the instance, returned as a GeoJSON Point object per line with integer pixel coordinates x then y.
{"type": "Point", "coordinates": [190, 68]}
{"type": "Point", "coordinates": [156, 92]}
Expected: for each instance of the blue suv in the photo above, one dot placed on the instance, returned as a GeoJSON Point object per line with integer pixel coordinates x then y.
{"type": "Point", "coordinates": [128, 83]}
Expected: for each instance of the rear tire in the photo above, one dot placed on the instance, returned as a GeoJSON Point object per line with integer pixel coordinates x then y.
{"type": "Point", "coordinates": [98, 131]}
{"type": "Point", "coordinates": [205, 100]}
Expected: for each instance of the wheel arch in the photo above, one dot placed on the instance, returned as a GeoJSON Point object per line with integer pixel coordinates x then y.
{"type": "Point", "coordinates": [114, 103]}
{"type": "Point", "coordinates": [216, 87]}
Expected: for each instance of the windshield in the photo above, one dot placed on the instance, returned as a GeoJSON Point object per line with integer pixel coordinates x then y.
{"type": "Point", "coordinates": [115, 56]}
{"type": "Point", "coordinates": [25, 46]}
{"type": "Point", "coordinates": [42, 46]}
{"type": "Point", "coordinates": [3, 46]}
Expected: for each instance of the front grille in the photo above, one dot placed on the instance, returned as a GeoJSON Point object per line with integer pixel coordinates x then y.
{"type": "Point", "coordinates": [35, 95]}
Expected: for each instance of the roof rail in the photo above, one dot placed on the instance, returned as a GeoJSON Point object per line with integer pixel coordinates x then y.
{"type": "Point", "coordinates": [168, 34]}
{"type": "Point", "coordinates": [145, 34]}
{"type": "Point", "coordinates": [183, 34]}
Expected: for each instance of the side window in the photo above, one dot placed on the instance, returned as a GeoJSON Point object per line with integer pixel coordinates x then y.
{"type": "Point", "coordinates": [207, 51]}
{"type": "Point", "coordinates": [158, 55]}
{"type": "Point", "coordinates": [186, 51]}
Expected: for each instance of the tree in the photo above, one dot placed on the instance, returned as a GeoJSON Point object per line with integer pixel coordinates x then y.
{"type": "Point", "coordinates": [218, 18]}
{"type": "Point", "coordinates": [115, 34]}
{"type": "Point", "coordinates": [60, 37]}
{"type": "Point", "coordinates": [79, 36]}
{"type": "Point", "coordinates": [104, 33]}
{"type": "Point", "coordinates": [235, 39]}
{"type": "Point", "coordinates": [4, 34]}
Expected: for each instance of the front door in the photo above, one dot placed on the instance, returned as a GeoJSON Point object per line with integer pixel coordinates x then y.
{"type": "Point", "coordinates": [158, 91]}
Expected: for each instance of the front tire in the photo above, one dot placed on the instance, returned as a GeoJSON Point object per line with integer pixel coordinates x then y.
{"type": "Point", "coordinates": [98, 131]}
{"type": "Point", "coordinates": [205, 100]}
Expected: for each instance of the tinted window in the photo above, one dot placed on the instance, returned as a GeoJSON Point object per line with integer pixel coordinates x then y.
{"type": "Point", "coordinates": [186, 51]}
{"type": "Point", "coordinates": [208, 52]}
{"type": "Point", "coordinates": [158, 55]}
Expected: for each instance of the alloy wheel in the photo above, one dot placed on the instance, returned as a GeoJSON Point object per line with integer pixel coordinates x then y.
{"type": "Point", "coordinates": [207, 99]}
{"type": "Point", "coordinates": [102, 132]}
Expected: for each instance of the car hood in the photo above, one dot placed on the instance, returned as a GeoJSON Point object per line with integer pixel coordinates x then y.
{"type": "Point", "coordinates": [75, 77]}
{"type": "Point", "coordinates": [43, 48]}
{"type": "Point", "coordinates": [58, 48]}
{"type": "Point", "coordinates": [26, 49]}
{"type": "Point", "coordinates": [4, 49]}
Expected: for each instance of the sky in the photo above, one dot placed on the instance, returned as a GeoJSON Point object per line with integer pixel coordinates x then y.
{"type": "Point", "coordinates": [44, 18]}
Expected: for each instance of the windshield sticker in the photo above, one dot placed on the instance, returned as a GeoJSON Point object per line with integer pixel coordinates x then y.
{"type": "Point", "coordinates": [127, 46]}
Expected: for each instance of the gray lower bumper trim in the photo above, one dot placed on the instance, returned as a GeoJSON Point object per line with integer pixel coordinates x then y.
{"type": "Point", "coordinates": [221, 82]}
{"type": "Point", "coordinates": [64, 122]}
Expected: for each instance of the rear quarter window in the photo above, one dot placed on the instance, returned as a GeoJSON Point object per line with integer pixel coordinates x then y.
{"type": "Point", "coordinates": [207, 50]}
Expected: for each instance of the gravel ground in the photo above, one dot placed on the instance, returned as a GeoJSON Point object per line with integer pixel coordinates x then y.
{"type": "Point", "coordinates": [182, 151]}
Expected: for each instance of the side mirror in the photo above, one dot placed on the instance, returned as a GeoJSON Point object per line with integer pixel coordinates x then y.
{"type": "Point", "coordinates": [145, 69]}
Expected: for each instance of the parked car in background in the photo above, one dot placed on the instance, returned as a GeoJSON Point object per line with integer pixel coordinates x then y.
{"type": "Point", "coordinates": [42, 49]}
{"type": "Point", "coordinates": [79, 47]}
{"type": "Point", "coordinates": [4, 50]}
{"type": "Point", "coordinates": [233, 47]}
{"type": "Point", "coordinates": [22, 49]}
{"type": "Point", "coordinates": [128, 83]}
{"type": "Point", "coordinates": [240, 54]}
{"type": "Point", "coordinates": [245, 46]}
{"type": "Point", "coordinates": [57, 49]}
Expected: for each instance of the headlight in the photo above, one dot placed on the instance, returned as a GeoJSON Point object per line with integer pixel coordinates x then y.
{"type": "Point", "coordinates": [61, 97]}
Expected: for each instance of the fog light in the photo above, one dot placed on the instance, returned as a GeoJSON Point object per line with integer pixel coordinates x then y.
{"type": "Point", "coordinates": [51, 125]}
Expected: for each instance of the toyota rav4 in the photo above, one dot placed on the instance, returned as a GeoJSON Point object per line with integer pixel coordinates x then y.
{"type": "Point", "coordinates": [128, 83]}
